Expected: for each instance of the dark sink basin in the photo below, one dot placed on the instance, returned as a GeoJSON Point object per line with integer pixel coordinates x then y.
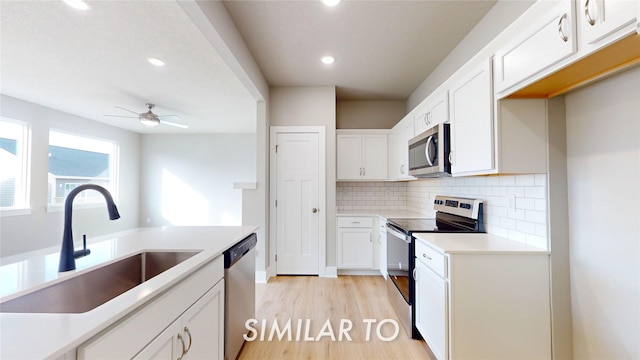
{"type": "Point", "coordinates": [95, 287]}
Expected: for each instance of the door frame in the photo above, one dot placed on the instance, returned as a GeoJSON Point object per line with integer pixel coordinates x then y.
{"type": "Point", "coordinates": [322, 193]}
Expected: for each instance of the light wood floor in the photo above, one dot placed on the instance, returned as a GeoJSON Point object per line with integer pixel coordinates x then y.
{"type": "Point", "coordinates": [348, 297]}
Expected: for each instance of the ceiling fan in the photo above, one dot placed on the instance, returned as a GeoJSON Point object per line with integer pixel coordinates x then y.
{"type": "Point", "coordinates": [148, 118]}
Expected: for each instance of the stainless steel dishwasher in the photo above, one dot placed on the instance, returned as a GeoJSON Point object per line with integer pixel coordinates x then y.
{"type": "Point", "coordinates": [240, 293]}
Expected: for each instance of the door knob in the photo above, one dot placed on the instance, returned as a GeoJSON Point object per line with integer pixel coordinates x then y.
{"type": "Point", "coordinates": [314, 210]}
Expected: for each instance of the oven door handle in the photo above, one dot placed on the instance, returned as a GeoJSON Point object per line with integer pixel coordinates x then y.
{"type": "Point", "coordinates": [398, 234]}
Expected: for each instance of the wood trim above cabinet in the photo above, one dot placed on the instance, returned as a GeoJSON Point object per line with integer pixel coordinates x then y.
{"type": "Point", "coordinates": [605, 62]}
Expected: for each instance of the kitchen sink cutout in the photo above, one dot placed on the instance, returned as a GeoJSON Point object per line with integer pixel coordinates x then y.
{"type": "Point", "coordinates": [93, 288]}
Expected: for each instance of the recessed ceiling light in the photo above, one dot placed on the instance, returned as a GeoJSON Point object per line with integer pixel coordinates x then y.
{"type": "Point", "coordinates": [328, 59]}
{"type": "Point", "coordinates": [156, 62]}
{"type": "Point", "coordinates": [331, 2]}
{"type": "Point", "coordinates": [77, 4]}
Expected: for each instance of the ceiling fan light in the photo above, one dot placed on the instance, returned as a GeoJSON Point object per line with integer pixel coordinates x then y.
{"type": "Point", "coordinates": [77, 4]}
{"type": "Point", "coordinates": [149, 122]}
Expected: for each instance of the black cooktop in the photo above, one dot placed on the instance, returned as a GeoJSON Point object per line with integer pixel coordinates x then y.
{"type": "Point", "coordinates": [414, 225]}
{"type": "Point", "coordinates": [446, 223]}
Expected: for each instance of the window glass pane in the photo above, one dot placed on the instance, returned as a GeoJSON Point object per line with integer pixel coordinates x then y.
{"type": "Point", "coordinates": [75, 160]}
{"type": "Point", "coordinates": [14, 158]}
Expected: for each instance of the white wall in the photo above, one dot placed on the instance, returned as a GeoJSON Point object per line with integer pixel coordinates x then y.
{"type": "Point", "coordinates": [603, 171]}
{"type": "Point", "coordinates": [42, 229]}
{"type": "Point", "coordinates": [369, 114]}
{"type": "Point", "coordinates": [312, 106]}
{"type": "Point", "coordinates": [188, 179]}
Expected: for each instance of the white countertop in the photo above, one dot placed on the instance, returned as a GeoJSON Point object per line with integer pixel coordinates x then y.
{"type": "Point", "coordinates": [476, 244]}
{"type": "Point", "coordinates": [387, 214]}
{"type": "Point", "coordinates": [39, 336]}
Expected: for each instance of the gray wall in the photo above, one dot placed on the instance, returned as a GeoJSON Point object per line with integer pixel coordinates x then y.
{"type": "Point", "coordinates": [369, 114]}
{"type": "Point", "coordinates": [41, 229]}
{"type": "Point", "coordinates": [503, 13]}
{"type": "Point", "coordinates": [312, 106]}
{"type": "Point", "coordinates": [603, 172]}
{"type": "Point", "coordinates": [189, 179]}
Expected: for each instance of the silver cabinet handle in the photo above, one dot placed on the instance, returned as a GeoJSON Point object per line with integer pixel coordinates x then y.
{"type": "Point", "coordinates": [563, 36]}
{"type": "Point", "coordinates": [186, 330]}
{"type": "Point", "coordinates": [364, 171]}
{"type": "Point", "coordinates": [451, 157]}
{"type": "Point", "coordinates": [183, 347]}
{"type": "Point", "coordinates": [587, 14]}
{"type": "Point", "coordinates": [402, 169]}
{"type": "Point", "coordinates": [414, 274]}
{"type": "Point", "coordinates": [314, 210]}
{"type": "Point", "coordinates": [425, 256]}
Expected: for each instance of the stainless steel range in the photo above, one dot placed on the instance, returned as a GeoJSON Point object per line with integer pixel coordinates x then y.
{"type": "Point", "coordinates": [453, 214]}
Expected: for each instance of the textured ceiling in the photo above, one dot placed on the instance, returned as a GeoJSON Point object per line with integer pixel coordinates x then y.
{"type": "Point", "coordinates": [383, 49]}
{"type": "Point", "coordinates": [86, 63]}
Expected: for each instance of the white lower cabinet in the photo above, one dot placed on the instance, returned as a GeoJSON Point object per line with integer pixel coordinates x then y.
{"type": "Point", "coordinates": [355, 243]}
{"type": "Point", "coordinates": [431, 309]}
{"type": "Point", "coordinates": [382, 246]}
{"type": "Point", "coordinates": [483, 305]}
{"type": "Point", "coordinates": [185, 322]}
{"type": "Point", "coordinates": [195, 334]}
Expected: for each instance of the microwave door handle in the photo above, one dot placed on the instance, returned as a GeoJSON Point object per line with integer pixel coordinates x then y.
{"type": "Point", "coordinates": [426, 150]}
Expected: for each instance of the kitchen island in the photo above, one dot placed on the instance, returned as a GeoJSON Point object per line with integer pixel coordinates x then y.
{"type": "Point", "coordinates": [54, 335]}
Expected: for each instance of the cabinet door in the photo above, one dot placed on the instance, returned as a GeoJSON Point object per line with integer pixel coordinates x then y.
{"type": "Point", "coordinates": [203, 326]}
{"type": "Point", "coordinates": [439, 112]}
{"type": "Point", "coordinates": [603, 21]}
{"type": "Point", "coordinates": [349, 159]}
{"type": "Point", "coordinates": [382, 244]}
{"type": "Point", "coordinates": [550, 39]}
{"type": "Point", "coordinates": [355, 248]}
{"type": "Point", "coordinates": [403, 132]}
{"type": "Point", "coordinates": [164, 346]}
{"type": "Point", "coordinates": [431, 310]}
{"type": "Point", "coordinates": [472, 150]}
{"type": "Point", "coordinates": [374, 157]}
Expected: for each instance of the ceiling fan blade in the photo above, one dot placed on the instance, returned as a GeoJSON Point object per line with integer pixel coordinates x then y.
{"type": "Point", "coordinates": [122, 116]}
{"type": "Point", "coordinates": [173, 116]}
{"type": "Point", "coordinates": [121, 108]}
{"type": "Point", "coordinates": [182, 126]}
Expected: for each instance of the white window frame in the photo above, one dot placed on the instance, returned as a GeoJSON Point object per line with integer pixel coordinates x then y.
{"type": "Point", "coordinates": [114, 166]}
{"type": "Point", "coordinates": [22, 196]}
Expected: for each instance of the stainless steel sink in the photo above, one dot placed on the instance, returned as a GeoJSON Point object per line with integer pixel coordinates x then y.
{"type": "Point", "coordinates": [95, 287]}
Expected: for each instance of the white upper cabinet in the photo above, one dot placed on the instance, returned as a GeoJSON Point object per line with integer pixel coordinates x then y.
{"type": "Point", "coordinates": [601, 22]}
{"type": "Point", "coordinates": [472, 122]}
{"type": "Point", "coordinates": [402, 133]}
{"type": "Point", "coordinates": [432, 111]}
{"type": "Point", "coordinates": [361, 156]}
{"type": "Point", "coordinates": [545, 41]}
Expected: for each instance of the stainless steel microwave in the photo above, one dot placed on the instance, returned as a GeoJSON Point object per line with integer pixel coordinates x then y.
{"type": "Point", "coordinates": [429, 153]}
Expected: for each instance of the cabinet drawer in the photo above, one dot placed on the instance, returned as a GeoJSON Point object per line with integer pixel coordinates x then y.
{"type": "Point", "coordinates": [355, 221]}
{"type": "Point", "coordinates": [434, 259]}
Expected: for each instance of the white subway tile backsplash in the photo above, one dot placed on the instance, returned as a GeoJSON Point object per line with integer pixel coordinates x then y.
{"type": "Point", "coordinates": [526, 224]}
{"type": "Point", "coordinates": [536, 192]}
{"type": "Point", "coordinates": [525, 180]}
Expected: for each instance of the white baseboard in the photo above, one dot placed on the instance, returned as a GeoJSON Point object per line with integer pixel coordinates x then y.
{"type": "Point", "coordinates": [330, 272]}
{"type": "Point", "coordinates": [261, 277]}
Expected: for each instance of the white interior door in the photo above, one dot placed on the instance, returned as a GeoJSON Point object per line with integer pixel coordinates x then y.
{"type": "Point", "coordinates": [298, 199]}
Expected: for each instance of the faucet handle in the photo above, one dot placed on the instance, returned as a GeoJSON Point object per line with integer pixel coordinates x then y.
{"type": "Point", "coordinates": [84, 251]}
